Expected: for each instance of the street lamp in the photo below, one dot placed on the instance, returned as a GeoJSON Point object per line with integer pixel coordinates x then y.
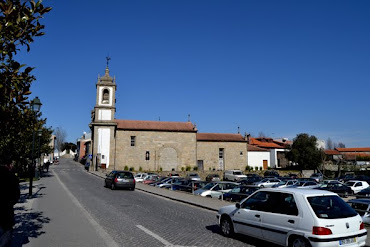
{"type": "Point", "coordinates": [35, 106]}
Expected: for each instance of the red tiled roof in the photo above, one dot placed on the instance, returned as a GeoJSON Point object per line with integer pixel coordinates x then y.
{"type": "Point", "coordinates": [266, 143]}
{"type": "Point", "coordinates": [332, 152]}
{"type": "Point", "coordinates": [155, 125]}
{"type": "Point", "coordinates": [353, 149]}
{"type": "Point", "coordinates": [216, 137]}
{"type": "Point", "coordinates": [255, 148]}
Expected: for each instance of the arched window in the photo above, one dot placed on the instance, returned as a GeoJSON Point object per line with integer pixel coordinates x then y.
{"type": "Point", "coordinates": [105, 96]}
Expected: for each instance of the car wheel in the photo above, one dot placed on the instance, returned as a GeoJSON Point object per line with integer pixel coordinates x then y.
{"type": "Point", "coordinates": [113, 186]}
{"type": "Point", "coordinates": [299, 242]}
{"type": "Point", "coordinates": [227, 227]}
{"type": "Point", "coordinates": [262, 186]}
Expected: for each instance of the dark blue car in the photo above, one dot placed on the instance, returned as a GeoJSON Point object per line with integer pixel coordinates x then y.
{"type": "Point", "coordinates": [239, 193]}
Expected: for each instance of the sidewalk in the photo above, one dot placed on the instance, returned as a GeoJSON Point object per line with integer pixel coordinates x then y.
{"type": "Point", "coordinates": [198, 201]}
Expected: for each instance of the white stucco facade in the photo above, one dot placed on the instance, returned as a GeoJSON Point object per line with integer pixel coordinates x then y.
{"type": "Point", "coordinates": [104, 145]}
{"type": "Point", "coordinates": [256, 158]}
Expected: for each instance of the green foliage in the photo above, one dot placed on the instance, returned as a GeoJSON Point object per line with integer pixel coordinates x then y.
{"type": "Point", "coordinates": [132, 169]}
{"type": "Point", "coordinates": [182, 168]}
{"type": "Point", "coordinates": [188, 168]}
{"type": "Point", "coordinates": [160, 169]}
{"type": "Point", "coordinates": [305, 152]}
{"type": "Point", "coordinates": [195, 168]}
{"type": "Point", "coordinates": [261, 168]}
{"type": "Point", "coordinates": [19, 24]}
{"type": "Point", "coordinates": [256, 168]}
{"type": "Point", "coordinates": [140, 169]}
{"type": "Point", "coordinates": [125, 168]}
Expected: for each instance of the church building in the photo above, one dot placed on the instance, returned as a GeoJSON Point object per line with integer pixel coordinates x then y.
{"type": "Point", "coordinates": [156, 145]}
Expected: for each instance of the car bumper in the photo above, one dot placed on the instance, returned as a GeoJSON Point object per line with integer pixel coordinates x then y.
{"type": "Point", "coordinates": [125, 185]}
{"type": "Point", "coordinates": [360, 240]}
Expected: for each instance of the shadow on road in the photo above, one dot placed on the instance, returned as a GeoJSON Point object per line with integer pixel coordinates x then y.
{"type": "Point", "coordinates": [242, 238]}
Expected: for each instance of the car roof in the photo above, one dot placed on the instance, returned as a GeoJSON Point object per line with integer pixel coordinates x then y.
{"type": "Point", "coordinates": [303, 192]}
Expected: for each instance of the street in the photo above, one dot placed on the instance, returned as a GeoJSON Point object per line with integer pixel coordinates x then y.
{"type": "Point", "coordinates": [72, 208]}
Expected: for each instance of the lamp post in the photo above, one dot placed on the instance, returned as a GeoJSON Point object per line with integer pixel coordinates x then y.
{"type": "Point", "coordinates": [35, 106]}
{"type": "Point", "coordinates": [39, 133]}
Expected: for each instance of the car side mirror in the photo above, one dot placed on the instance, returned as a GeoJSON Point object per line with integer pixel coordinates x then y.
{"type": "Point", "coordinates": [237, 205]}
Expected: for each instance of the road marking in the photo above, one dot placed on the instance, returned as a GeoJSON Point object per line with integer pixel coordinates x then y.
{"type": "Point", "coordinates": [159, 238]}
{"type": "Point", "coordinates": [108, 239]}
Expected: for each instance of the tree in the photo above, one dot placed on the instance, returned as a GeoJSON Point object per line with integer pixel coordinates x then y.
{"type": "Point", "coordinates": [69, 146]}
{"type": "Point", "coordinates": [341, 145]}
{"type": "Point", "coordinates": [60, 136]}
{"type": "Point", "coordinates": [329, 144]}
{"type": "Point", "coordinates": [19, 25]}
{"type": "Point", "coordinates": [305, 152]}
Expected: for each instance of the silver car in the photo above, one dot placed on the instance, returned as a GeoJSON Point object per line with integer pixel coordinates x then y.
{"type": "Point", "coordinates": [120, 179]}
{"type": "Point", "coordinates": [216, 189]}
{"type": "Point", "coordinates": [267, 182]}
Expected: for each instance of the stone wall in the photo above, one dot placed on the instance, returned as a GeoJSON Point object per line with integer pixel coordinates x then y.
{"type": "Point", "coordinates": [155, 150]}
{"type": "Point", "coordinates": [235, 155]}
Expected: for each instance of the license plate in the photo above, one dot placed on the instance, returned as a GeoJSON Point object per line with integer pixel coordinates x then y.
{"type": "Point", "coordinates": [347, 241]}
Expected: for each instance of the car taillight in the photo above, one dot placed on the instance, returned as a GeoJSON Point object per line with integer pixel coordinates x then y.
{"type": "Point", "coordinates": [115, 180]}
{"type": "Point", "coordinates": [362, 226]}
{"type": "Point", "coordinates": [317, 230]}
{"type": "Point", "coordinates": [134, 181]}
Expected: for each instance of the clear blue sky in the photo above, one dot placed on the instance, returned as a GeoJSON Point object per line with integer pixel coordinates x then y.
{"type": "Point", "coordinates": [277, 67]}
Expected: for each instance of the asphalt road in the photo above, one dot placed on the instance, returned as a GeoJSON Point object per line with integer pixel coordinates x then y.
{"type": "Point", "coordinates": [135, 218]}
{"type": "Point", "coordinates": [74, 209]}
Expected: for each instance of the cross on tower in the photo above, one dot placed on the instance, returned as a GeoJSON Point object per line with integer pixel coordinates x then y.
{"type": "Point", "coordinates": [108, 58]}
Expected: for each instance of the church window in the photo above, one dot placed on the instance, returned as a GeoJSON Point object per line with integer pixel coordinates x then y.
{"type": "Point", "coordinates": [147, 155]}
{"type": "Point", "coordinates": [133, 140]}
{"type": "Point", "coordinates": [105, 96]}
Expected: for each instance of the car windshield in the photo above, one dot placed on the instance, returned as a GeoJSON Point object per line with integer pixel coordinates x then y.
{"type": "Point", "coordinates": [330, 207]}
{"type": "Point", "coordinates": [238, 173]}
{"type": "Point", "coordinates": [350, 184]}
{"type": "Point", "coordinates": [209, 186]}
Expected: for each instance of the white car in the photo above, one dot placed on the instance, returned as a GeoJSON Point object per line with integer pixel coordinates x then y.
{"type": "Point", "coordinates": [215, 189]}
{"type": "Point", "coordinates": [286, 183]}
{"type": "Point", "coordinates": [356, 185]}
{"type": "Point", "coordinates": [267, 182]}
{"type": "Point", "coordinates": [295, 218]}
{"type": "Point", "coordinates": [140, 177]}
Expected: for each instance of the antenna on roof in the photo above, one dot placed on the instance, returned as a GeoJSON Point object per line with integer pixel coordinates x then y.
{"type": "Point", "coordinates": [238, 130]}
{"type": "Point", "coordinates": [159, 118]}
{"type": "Point", "coordinates": [108, 58]}
{"type": "Point", "coordinates": [188, 117]}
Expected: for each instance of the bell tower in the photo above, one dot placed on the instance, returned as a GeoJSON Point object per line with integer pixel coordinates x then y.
{"type": "Point", "coordinates": [102, 121]}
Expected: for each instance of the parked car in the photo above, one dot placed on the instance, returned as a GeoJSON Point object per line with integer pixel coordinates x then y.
{"type": "Point", "coordinates": [267, 182]}
{"type": "Point", "coordinates": [151, 179]}
{"type": "Point", "coordinates": [365, 193]}
{"type": "Point", "coordinates": [193, 176]}
{"type": "Point", "coordinates": [168, 183]}
{"type": "Point", "coordinates": [140, 177]}
{"type": "Point", "coordinates": [347, 177]}
{"type": "Point", "coordinates": [362, 207]}
{"type": "Point", "coordinates": [174, 175]}
{"type": "Point", "coordinates": [305, 184]}
{"type": "Point", "coordinates": [356, 185]}
{"type": "Point", "coordinates": [318, 177]}
{"type": "Point", "coordinates": [213, 177]}
{"type": "Point", "coordinates": [339, 188]}
{"type": "Point", "coordinates": [190, 185]}
{"type": "Point", "coordinates": [239, 193]}
{"type": "Point", "coordinates": [215, 189]}
{"type": "Point", "coordinates": [234, 175]}
{"type": "Point", "coordinates": [120, 179]}
{"type": "Point", "coordinates": [160, 181]}
{"type": "Point", "coordinates": [250, 180]}
{"type": "Point", "coordinates": [294, 217]}
{"type": "Point", "coordinates": [285, 183]}
{"type": "Point", "coordinates": [271, 173]}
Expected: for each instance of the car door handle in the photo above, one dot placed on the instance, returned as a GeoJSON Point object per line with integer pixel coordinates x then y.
{"type": "Point", "coordinates": [257, 216]}
{"type": "Point", "coordinates": [291, 221]}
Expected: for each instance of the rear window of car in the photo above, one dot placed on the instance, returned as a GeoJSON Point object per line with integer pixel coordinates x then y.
{"type": "Point", "coordinates": [125, 175]}
{"type": "Point", "coordinates": [330, 207]}
{"type": "Point", "coordinates": [238, 173]}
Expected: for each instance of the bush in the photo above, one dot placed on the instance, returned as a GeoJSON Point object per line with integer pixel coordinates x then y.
{"type": "Point", "coordinates": [132, 169]}
{"type": "Point", "coordinates": [260, 168]}
{"type": "Point", "coordinates": [160, 169]}
{"type": "Point", "coordinates": [256, 168]}
{"type": "Point", "coordinates": [126, 168]}
{"type": "Point", "coordinates": [195, 168]}
{"type": "Point", "coordinates": [182, 168]}
{"type": "Point", "coordinates": [140, 168]}
{"type": "Point", "coordinates": [188, 168]}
